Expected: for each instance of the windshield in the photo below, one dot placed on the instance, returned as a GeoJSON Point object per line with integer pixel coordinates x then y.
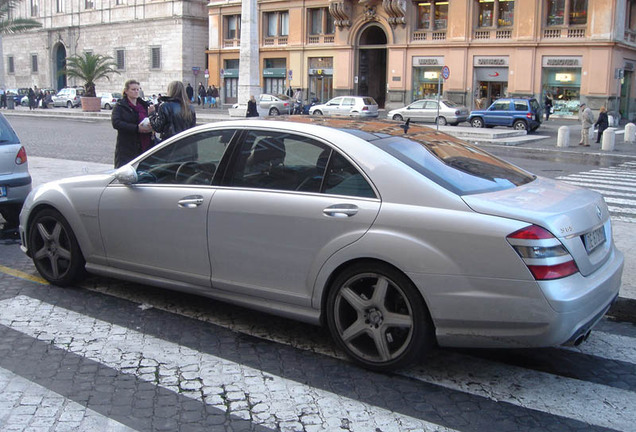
{"type": "Point", "coordinates": [461, 168]}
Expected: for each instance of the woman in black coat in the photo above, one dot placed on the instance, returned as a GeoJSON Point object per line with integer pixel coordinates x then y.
{"type": "Point", "coordinates": [175, 113]}
{"type": "Point", "coordinates": [251, 107]}
{"type": "Point", "coordinates": [133, 136]}
{"type": "Point", "coordinates": [602, 123]}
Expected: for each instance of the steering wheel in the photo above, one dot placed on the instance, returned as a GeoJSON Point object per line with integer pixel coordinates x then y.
{"type": "Point", "coordinates": [186, 169]}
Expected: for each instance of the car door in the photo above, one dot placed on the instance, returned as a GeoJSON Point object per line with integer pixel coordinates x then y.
{"type": "Point", "coordinates": [497, 113]}
{"type": "Point", "coordinates": [158, 226]}
{"type": "Point", "coordinates": [333, 106]}
{"type": "Point", "coordinates": [415, 111]}
{"type": "Point", "coordinates": [347, 106]}
{"type": "Point", "coordinates": [289, 203]}
{"type": "Point", "coordinates": [429, 113]}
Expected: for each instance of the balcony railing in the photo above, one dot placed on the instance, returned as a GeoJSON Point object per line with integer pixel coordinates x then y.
{"type": "Point", "coordinates": [320, 39]}
{"type": "Point", "coordinates": [231, 43]}
{"type": "Point", "coordinates": [424, 35]}
{"type": "Point", "coordinates": [275, 40]}
{"type": "Point", "coordinates": [569, 32]}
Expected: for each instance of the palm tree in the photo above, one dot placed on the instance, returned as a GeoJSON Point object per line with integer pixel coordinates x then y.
{"type": "Point", "coordinates": [17, 25]}
{"type": "Point", "coordinates": [89, 68]}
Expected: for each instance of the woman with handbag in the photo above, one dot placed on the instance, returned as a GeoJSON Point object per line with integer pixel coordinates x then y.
{"type": "Point", "coordinates": [175, 113]}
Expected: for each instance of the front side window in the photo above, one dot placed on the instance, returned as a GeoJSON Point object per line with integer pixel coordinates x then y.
{"type": "Point", "coordinates": [192, 160]}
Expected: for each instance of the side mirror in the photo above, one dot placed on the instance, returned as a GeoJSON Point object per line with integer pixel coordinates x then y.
{"type": "Point", "coordinates": [126, 175]}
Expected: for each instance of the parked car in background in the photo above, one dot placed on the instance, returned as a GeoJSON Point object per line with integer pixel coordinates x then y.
{"type": "Point", "coordinates": [18, 94]}
{"type": "Point", "coordinates": [426, 110]}
{"type": "Point", "coordinates": [394, 241]}
{"type": "Point", "coordinates": [69, 97]}
{"type": "Point", "coordinates": [109, 99]}
{"type": "Point", "coordinates": [348, 106]}
{"type": "Point", "coordinates": [268, 105]}
{"type": "Point", "coordinates": [15, 180]}
{"type": "Point", "coordinates": [518, 113]}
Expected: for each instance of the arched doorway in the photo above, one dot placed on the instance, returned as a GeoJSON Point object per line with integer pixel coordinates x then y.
{"type": "Point", "coordinates": [59, 60]}
{"type": "Point", "coordinates": [372, 64]}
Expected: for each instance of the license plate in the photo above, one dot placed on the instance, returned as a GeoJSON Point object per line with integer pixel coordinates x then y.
{"type": "Point", "coordinates": [594, 239]}
{"type": "Point", "coordinates": [3, 191]}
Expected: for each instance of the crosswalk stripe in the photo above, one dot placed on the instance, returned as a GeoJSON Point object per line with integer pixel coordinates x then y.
{"type": "Point", "coordinates": [166, 364]}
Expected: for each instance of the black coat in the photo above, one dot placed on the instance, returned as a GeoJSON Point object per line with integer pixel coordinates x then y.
{"type": "Point", "coordinates": [168, 120]}
{"type": "Point", "coordinates": [603, 121]}
{"type": "Point", "coordinates": [126, 121]}
{"type": "Point", "coordinates": [251, 109]}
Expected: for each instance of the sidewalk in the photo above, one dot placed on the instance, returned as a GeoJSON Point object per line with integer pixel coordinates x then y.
{"type": "Point", "coordinates": [47, 169]}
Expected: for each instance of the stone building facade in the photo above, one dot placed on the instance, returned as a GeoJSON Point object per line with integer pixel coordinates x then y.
{"type": "Point", "coordinates": [394, 50]}
{"type": "Point", "coordinates": [153, 41]}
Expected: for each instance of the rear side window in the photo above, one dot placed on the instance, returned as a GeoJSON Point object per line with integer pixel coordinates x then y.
{"type": "Point", "coordinates": [369, 101]}
{"type": "Point", "coordinates": [7, 135]}
{"type": "Point", "coordinates": [521, 106]}
{"type": "Point", "coordinates": [461, 168]}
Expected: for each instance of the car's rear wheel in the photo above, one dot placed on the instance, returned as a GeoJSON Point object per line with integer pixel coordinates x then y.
{"type": "Point", "coordinates": [54, 248]}
{"type": "Point", "coordinates": [520, 125]}
{"type": "Point", "coordinates": [477, 122]}
{"type": "Point", "coordinates": [378, 317]}
{"type": "Point", "coordinates": [11, 214]}
{"type": "Point", "coordinates": [107, 106]}
{"type": "Point", "coordinates": [317, 112]}
{"type": "Point", "coordinates": [69, 104]}
{"type": "Point", "coordinates": [273, 111]}
{"type": "Point", "coordinates": [441, 121]}
{"type": "Point", "coordinates": [398, 117]}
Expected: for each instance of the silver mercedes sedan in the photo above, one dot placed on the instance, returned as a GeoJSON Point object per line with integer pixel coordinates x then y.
{"type": "Point", "coordinates": [396, 238]}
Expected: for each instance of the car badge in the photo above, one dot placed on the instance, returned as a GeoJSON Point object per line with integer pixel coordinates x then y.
{"type": "Point", "coordinates": [599, 213]}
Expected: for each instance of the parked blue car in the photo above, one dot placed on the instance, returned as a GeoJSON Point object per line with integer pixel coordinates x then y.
{"type": "Point", "coordinates": [518, 113]}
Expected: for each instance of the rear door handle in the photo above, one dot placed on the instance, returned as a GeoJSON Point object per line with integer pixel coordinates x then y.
{"type": "Point", "coordinates": [341, 210]}
{"type": "Point", "coordinates": [191, 201]}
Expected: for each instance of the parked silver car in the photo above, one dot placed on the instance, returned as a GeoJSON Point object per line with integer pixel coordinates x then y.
{"type": "Point", "coordinates": [109, 99]}
{"type": "Point", "coordinates": [393, 240]}
{"type": "Point", "coordinates": [268, 105]}
{"type": "Point", "coordinates": [15, 180]}
{"type": "Point", "coordinates": [68, 97]}
{"type": "Point", "coordinates": [428, 110]}
{"type": "Point", "coordinates": [347, 106]}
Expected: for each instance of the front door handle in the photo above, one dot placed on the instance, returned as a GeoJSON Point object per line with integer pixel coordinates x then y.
{"type": "Point", "coordinates": [191, 201]}
{"type": "Point", "coordinates": [341, 210]}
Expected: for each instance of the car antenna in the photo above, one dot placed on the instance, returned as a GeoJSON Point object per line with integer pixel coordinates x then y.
{"type": "Point", "coordinates": [405, 126]}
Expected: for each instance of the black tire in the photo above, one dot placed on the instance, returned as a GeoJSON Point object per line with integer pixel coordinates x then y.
{"type": "Point", "coordinates": [107, 106]}
{"type": "Point", "coordinates": [477, 122]}
{"type": "Point", "coordinates": [398, 117]}
{"type": "Point", "coordinates": [11, 215]}
{"type": "Point", "coordinates": [520, 125]}
{"type": "Point", "coordinates": [362, 300]}
{"type": "Point", "coordinates": [69, 104]}
{"type": "Point", "coordinates": [454, 123]}
{"type": "Point", "coordinates": [317, 112]}
{"type": "Point", "coordinates": [274, 111]}
{"type": "Point", "coordinates": [54, 248]}
{"type": "Point", "coordinates": [441, 121]}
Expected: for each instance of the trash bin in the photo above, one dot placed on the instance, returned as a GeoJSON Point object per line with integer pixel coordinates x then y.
{"type": "Point", "coordinates": [10, 102]}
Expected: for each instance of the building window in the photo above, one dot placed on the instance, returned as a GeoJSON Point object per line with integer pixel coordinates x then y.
{"type": "Point", "coordinates": [276, 24]}
{"type": "Point", "coordinates": [34, 63]}
{"type": "Point", "coordinates": [630, 15]}
{"type": "Point", "coordinates": [120, 58]}
{"type": "Point", "coordinates": [34, 8]}
{"type": "Point", "coordinates": [495, 13]}
{"type": "Point", "coordinates": [320, 22]}
{"type": "Point", "coordinates": [432, 15]}
{"type": "Point", "coordinates": [155, 58]}
{"type": "Point", "coordinates": [59, 6]}
{"type": "Point", "coordinates": [88, 4]}
{"type": "Point", "coordinates": [10, 65]}
{"type": "Point", "coordinates": [566, 12]}
{"type": "Point", "coordinates": [119, 2]}
{"type": "Point", "coordinates": [232, 27]}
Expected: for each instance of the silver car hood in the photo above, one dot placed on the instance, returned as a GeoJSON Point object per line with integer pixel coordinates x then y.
{"type": "Point", "coordinates": [567, 211]}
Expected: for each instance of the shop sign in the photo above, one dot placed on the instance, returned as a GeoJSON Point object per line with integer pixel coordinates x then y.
{"type": "Point", "coordinates": [230, 73]}
{"type": "Point", "coordinates": [275, 72]}
{"type": "Point", "coordinates": [428, 61]}
{"type": "Point", "coordinates": [562, 62]}
{"type": "Point", "coordinates": [491, 74]}
{"type": "Point", "coordinates": [316, 71]}
{"type": "Point", "coordinates": [489, 61]}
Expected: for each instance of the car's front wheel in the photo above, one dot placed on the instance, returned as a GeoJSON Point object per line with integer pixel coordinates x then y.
{"type": "Point", "coordinates": [378, 317]}
{"type": "Point", "coordinates": [274, 111]}
{"type": "Point", "coordinates": [520, 125]}
{"type": "Point", "coordinates": [477, 122]}
{"type": "Point", "coordinates": [441, 121]}
{"type": "Point", "coordinates": [398, 117]}
{"type": "Point", "coordinates": [317, 112]}
{"type": "Point", "coordinates": [54, 248]}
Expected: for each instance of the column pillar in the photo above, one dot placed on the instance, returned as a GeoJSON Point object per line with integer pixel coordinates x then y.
{"type": "Point", "coordinates": [249, 71]}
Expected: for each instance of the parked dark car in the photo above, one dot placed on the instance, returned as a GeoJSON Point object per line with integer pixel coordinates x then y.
{"type": "Point", "coordinates": [15, 180]}
{"type": "Point", "coordinates": [518, 113]}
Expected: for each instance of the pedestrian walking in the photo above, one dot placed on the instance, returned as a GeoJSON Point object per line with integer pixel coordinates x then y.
{"type": "Point", "coordinates": [201, 93]}
{"type": "Point", "coordinates": [586, 117]}
{"type": "Point", "coordinates": [215, 96]}
{"type": "Point", "coordinates": [602, 123]}
{"type": "Point", "coordinates": [190, 92]}
{"type": "Point", "coordinates": [175, 113]}
{"type": "Point", "coordinates": [3, 98]}
{"type": "Point", "coordinates": [134, 133]}
{"type": "Point", "coordinates": [208, 96]}
{"type": "Point", "coordinates": [31, 96]}
{"type": "Point", "coordinates": [548, 106]}
{"type": "Point", "coordinates": [251, 107]}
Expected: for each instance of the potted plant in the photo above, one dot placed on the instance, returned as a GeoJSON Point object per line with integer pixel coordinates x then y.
{"type": "Point", "coordinates": [90, 67]}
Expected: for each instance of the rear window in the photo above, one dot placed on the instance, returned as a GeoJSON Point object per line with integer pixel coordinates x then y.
{"type": "Point", "coordinates": [461, 168]}
{"type": "Point", "coordinates": [369, 101]}
{"type": "Point", "coordinates": [7, 135]}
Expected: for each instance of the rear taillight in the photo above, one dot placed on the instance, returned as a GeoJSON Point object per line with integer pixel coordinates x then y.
{"type": "Point", "coordinates": [21, 157]}
{"type": "Point", "coordinates": [529, 115]}
{"type": "Point", "coordinates": [458, 112]}
{"type": "Point", "coordinates": [544, 255]}
{"type": "Point", "coordinates": [365, 108]}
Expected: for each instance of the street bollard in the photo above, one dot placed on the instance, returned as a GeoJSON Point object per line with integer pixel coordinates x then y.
{"type": "Point", "coordinates": [609, 139]}
{"type": "Point", "coordinates": [563, 137]}
{"type": "Point", "coordinates": [630, 133]}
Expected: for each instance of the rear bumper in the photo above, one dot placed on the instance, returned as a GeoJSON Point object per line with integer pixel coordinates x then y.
{"type": "Point", "coordinates": [18, 187]}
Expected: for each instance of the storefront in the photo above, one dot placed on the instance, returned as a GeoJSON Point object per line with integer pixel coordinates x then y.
{"type": "Point", "coordinates": [320, 78]}
{"type": "Point", "coordinates": [275, 76]}
{"type": "Point", "coordinates": [491, 79]}
{"type": "Point", "coordinates": [427, 81]}
{"type": "Point", "coordinates": [230, 85]}
{"type": "Point", "coordinates": [562, 80]}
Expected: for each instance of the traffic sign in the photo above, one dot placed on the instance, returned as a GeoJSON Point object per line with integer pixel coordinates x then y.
{"type": "Point", "coordinates": [445, 72]}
